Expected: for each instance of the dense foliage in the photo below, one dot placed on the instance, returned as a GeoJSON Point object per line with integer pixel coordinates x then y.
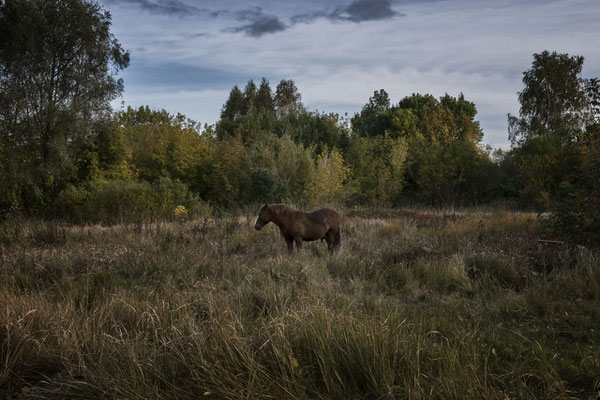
{"type": "Point", "coordinates": [58, 62]}
{"type": "Point", "coordinates": [65, 154]}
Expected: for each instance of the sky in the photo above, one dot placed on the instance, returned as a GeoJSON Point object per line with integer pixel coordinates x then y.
{"type": "Point", "coordinates": [186, 55]}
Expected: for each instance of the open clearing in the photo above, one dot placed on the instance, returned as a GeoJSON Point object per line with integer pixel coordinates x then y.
{"type": "Point", "coordinates": [415, 305]}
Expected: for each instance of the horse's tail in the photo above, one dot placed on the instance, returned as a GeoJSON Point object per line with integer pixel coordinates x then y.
{"type": "Point", "coordinates": [337, 240]}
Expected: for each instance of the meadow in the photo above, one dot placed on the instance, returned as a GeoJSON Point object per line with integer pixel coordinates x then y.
{"type": "Point", "coordinates": [417, 304]}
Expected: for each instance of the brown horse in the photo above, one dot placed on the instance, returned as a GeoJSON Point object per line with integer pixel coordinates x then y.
{"type": "Point", "coordinates": [297, 226]}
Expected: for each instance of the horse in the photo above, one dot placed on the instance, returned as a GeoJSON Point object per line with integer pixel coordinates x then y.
{"type": "Point", "coordinates": [297, 226]}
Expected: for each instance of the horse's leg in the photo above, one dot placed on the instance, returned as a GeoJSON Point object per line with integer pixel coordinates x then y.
{"type": "Point", "coordinates": [290, 243]}
{"type": "Point", "coordinates": [330, 237]}
{"type": "Point", "coordinates": [298, 243]}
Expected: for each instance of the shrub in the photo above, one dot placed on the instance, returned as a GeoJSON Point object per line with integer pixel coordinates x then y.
{"type": "Point", "coordinates": [266, 188]}
{"type": "Point", "coordinates": [575, 207]}
{"type": "Point", "coordinates": [454, 174]}
{"type": "Point", "coordinates": [330, 172]}
{"type": "Point", "coordinates": [112, 202]}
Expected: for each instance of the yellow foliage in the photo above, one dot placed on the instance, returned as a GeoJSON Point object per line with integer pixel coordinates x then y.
{"type": "Point", "coordinates": [180, 212]}
{"type": "Point", "coordinates": [329, 174]}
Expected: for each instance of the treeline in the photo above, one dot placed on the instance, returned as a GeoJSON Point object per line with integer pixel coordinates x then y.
{"type": "Point", "coordinates": [265, 149]}
{"type": "Point", "coordinates": [66, 154]}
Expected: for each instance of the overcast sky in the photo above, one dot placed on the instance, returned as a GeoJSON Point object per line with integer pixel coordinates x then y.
{"type": "Point", "coordinates": [187, 54]}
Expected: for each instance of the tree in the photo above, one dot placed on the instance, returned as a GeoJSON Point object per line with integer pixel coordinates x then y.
{"type": "Point", "coordinates": [575, 211]}
{"type": "Point", "coordinates": [320, 130]}
{"type": "Point", "coordinates": [404, 123]}
{"type": "Point", "coordinates": [541, 164]}
{"type": "Point", "coordinates": [287, 99]}
{"type": "Point", "coordinates": [294, 166]}
{"type": "Point", "coordinates": [330, 173]}
{"type": "Point", "coordinates": [420, 118]}
{"type": "Point", "coordinates": [263, 100]}
{"type": "Point", "coordinates": [443, 121]}
{"type": "Point", "coordinates": [223, 173]}
{"type": "Point", "coordinates": [456, 174]}
{"type": "Point", "coordinates": [377, 168]}
{"type": "Point", "coordinates": [592, 90]}
{"type": "Point", "coordinates": [249, 94]}
{"type": "Point", "coordinates": [464, 113]}
{"type": "Point", "coordinates": [58, 62]}
{"type": "Point", "coordinates": [266, 188]}
{"type": "Point", "coordinates": [234, 108]}
{"type": "Point", "coordinates": [557, 128]}
{"type": "Point", "coordinates": [111, 156]}
{"type": "Point", "coordinates": [374, 118]}
{"type": "Point", "coordinates": [553, 101]}
{"type": "Point", "coordinates": [236, 105]}
{"type": "Point", "coordinates": [161, 145]}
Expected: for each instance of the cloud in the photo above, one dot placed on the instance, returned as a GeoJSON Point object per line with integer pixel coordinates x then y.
{"type": "Point", "coordinates": [260, 23]}
{"type": "Point", "coordinates": [308, 18]}
{"type": "Point", "coordinates": [357, 11]}
{"type": "Point", "coordinates": [367, 10]}
{"type": "Point", "coordinates": [164, 7]}
{"type": "Point", "coordinates": [197, 35]}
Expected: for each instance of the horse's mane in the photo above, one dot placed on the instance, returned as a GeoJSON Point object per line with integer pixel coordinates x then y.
{"type": "Point", "coordinates": [279, 208]}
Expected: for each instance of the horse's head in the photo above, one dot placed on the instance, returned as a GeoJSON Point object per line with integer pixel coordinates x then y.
{"type": "Point", "coordinates": [264, 217]}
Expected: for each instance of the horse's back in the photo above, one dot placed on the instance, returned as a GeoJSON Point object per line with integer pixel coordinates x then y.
{"type": "Point", "coordinates": [326, 216]}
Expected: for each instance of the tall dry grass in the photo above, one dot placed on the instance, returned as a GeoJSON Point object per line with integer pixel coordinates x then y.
{"type": "Point", "coordinates": [415, 305]}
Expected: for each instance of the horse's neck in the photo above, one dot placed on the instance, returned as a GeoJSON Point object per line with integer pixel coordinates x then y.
{"type": "Point", "coordinates": [276, 216]}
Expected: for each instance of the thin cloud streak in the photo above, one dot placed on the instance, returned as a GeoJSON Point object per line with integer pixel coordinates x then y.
{"type": "Point", "coordinates": [163, 7]}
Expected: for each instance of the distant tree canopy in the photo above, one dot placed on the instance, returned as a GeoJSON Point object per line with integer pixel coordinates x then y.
{"type": "Point", "coordinates": [556, 101]}
{"type": "Point", "coordinates": [256, 113]}
{"type": "Point", "coordinates": [58, 62]}
{"type": "Point", "coordinates": [420, 117]}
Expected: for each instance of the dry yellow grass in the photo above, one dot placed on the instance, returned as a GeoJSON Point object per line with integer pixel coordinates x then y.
{"type": "Point", "coordinates": [416, 304]}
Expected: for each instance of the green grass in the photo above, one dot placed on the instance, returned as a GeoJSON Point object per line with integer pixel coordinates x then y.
{"type": "Point", "coordinates": [415, 305]}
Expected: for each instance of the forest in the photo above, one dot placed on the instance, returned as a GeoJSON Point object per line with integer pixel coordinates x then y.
{"type": "Point", "coordinates": [67, 155]}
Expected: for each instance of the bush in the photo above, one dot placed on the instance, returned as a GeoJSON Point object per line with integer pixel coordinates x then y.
{"type": "Point", "coordinates": [537, 167]}
{"type": "Point", "coordinates": [266, 188]}
{"type": "Point", "coordinates": [575, 207]}
{"type": "Point", "coordinates": [112, 202]}
{"type": "Point", "coordinates": [329, 174]}
{"type": "Point", "coordinates": [377, 167]}
{"type": "Point", "coordinates": [456, 174]}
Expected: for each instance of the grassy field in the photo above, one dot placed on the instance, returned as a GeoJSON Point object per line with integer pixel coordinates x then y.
{"type": "Point", "coordinates": [416, 305]}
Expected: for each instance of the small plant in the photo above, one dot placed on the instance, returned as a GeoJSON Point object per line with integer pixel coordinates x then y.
{"type": "Point", "coordinates": [180, 212]}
